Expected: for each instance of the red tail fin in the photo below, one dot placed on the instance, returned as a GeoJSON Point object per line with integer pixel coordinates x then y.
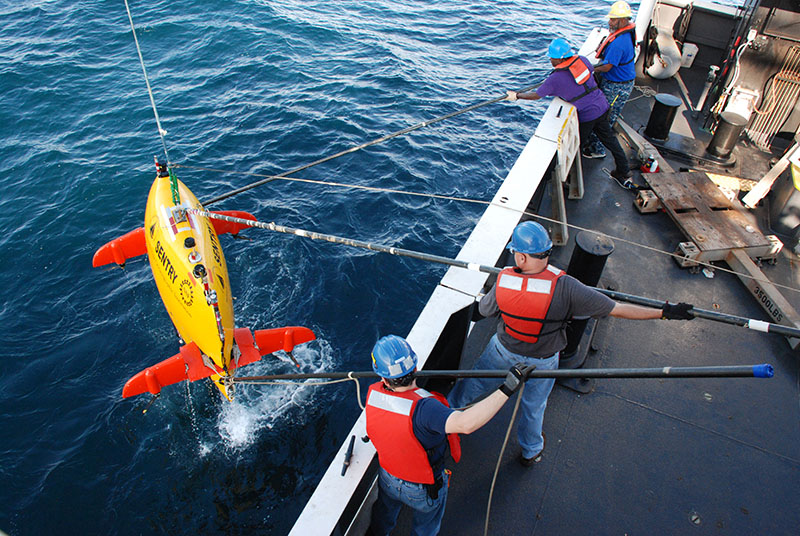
{"type": "Point", "coordinates": [222, 226]}
{"type": "Point", "coordinates": [189, 365]}
{"type": "Point", "coordinates": [121, 249]}
{"type": "Point", "coordinates": [272, 340]}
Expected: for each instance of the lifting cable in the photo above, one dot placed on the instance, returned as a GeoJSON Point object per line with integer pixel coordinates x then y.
{"type": "Point", "coordinates": [750, 323]}
{"type": "Point", "coordinates": [173, 180]}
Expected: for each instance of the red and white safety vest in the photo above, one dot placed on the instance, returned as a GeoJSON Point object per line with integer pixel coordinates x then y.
{"type": "Point", "coordinates": [391, 430]}
{"type": "Point", "coordinates": [524, 300]}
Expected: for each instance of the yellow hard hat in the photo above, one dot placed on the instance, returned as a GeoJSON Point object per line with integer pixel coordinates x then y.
{"type": "Point", "coordinates": [620, 10]}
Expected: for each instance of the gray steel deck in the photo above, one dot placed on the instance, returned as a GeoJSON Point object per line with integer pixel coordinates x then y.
{"type": "Point", "coordinates": [677, 456]}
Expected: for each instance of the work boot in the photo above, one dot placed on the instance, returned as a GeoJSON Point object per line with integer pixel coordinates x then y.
{"type": "Point", "coordinates": [527, 462]}
{"type": "Point", "coordinates": [591, 153]}
{"type": "Point", "coordinates": [620, 176]}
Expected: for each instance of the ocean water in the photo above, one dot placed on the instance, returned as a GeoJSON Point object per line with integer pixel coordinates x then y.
{"type": "Point", "coordinates": [245, 87]}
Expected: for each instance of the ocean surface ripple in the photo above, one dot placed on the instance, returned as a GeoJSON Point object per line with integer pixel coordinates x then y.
{"type": "Point", "coordinates": [246, 87]}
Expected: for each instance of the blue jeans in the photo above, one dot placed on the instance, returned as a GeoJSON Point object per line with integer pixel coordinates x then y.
{"type": "Point", "coordinates": [617, 94]}
{"type": "Point", "coordinates": [394, 492]}
{"type": "Point", "coordinates": [534, 397]}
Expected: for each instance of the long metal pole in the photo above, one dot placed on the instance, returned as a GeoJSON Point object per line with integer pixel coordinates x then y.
{"type": "Point", "coordinates": [729, 371]}
{"type": "Point", "coordinates": [750, 323]}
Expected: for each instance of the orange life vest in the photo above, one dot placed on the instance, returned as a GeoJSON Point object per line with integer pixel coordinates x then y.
{"type": "Point", "coordinates": [577, 68]}
{"type": "Point", "coordinates": [581, 74]}
{"type": "Point", "coordinates": [629, 29]}
{"type": "Point", "coordinates": [391, 430]}
{"type": "Point", "coordinates": [524, 300]}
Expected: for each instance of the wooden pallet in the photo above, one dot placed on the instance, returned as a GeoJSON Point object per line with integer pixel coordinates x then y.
{"type": "Point", "coordinates": [709, 219]}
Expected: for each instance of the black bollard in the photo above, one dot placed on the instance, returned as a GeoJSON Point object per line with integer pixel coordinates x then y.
{"type": "Point", "coordinates": [586, 265]}
{"type": "Point", "coordinates": [661, 117]}
{"type": "Point", "coordinates": [729, 128]}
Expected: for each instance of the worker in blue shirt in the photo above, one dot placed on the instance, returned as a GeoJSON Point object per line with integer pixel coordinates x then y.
{"type": "Point", "coordinates": [617, 54]}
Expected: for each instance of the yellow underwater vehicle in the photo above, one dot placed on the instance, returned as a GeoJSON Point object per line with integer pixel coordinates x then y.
{"type": "Point", "coordinates": [192, 278]}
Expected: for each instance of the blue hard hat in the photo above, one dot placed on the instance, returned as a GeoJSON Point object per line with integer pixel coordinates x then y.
{"type": "Point", "coordinates": [559, 48]}
{"type": "Point", "coordinates": [530, 238]}
{"type": "Point", "coordinates": [392, 357]}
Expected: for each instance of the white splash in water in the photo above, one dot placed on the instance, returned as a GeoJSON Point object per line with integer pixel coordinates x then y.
{"type": "Point", "coordinates": [238, 424]}
{"type": "Point", "coordinates": [258, 407]}
{"type": "Point", "coordinates": [204, 450]}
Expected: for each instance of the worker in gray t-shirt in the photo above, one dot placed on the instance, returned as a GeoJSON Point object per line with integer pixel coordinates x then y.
{"type": "Point", "coordinates": [535, 301]}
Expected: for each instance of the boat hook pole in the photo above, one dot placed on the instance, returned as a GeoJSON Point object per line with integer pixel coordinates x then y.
{"type": "Point", "coordinates": [750, 323]}
{"type": "Point", "coordinates": [732, 371]}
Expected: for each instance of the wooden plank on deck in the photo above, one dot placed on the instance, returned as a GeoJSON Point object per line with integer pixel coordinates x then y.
{"type": "Point", "coordinates": [709, 219]}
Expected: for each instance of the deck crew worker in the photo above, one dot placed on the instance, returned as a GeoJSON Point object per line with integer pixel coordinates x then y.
{"type": "Point", "coordinates": [535, 300]}
{"type": "Point", "coordinates": [413, 430]}
{"type": "Point", "coordinates": [617, 55]}
{"type": "Point", "coordinates": [572, 81]}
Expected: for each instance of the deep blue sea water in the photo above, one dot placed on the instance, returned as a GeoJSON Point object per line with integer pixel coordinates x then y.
{"type": "Point", "coordinates": [258, 87]}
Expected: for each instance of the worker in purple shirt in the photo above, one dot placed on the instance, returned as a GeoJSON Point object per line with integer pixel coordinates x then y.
{"type": "Point", "coordinates": [572, 81]}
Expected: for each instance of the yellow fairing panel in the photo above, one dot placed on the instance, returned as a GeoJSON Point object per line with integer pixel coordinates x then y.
{"type": "Point", "coordinates": [174, 259]}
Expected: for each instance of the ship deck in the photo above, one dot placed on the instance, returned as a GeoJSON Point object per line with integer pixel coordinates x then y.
{"type": "Point", "coordinates": [650, 456]}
